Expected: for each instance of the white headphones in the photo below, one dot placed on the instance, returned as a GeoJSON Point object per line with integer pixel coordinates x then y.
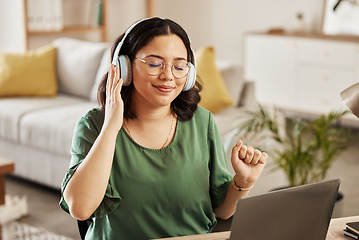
{"type": "Point", "coordinates": [124, 63]}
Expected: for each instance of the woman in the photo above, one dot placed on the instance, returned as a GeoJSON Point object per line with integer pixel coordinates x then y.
{"type": "Point", "coordinates": [150, 163]}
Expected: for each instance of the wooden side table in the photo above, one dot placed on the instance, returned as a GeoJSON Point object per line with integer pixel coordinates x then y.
{"type": "Point", "coordinates": [6, 166]}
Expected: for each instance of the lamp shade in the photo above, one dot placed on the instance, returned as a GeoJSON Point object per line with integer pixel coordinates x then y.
{"type": "Point", "coordinates": [350, 97]}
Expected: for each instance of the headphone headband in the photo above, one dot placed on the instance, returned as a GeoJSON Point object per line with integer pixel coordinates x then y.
{"type": "Point", "coordinates": [119, 45]}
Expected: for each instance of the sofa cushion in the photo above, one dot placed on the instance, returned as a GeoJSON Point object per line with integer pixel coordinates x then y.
{"type": "Point", "coordinates": [38, 166]}
{"type": "Point", "coordinates": [52, 129]}
{"type": "Point", "coordinates": [103, 68]}
{"type": "Point", "coordinates": [28, 74]}
{"type": "Point", "coordinates": [13, 109]}
{"type": "Point", "coordinates": [77, 64]}
{"type": "Point", "coordinates": [214, 96]}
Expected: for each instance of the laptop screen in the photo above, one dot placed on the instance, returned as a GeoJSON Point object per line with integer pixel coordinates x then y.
{"type": "Point", "coordinates": [296, 213]}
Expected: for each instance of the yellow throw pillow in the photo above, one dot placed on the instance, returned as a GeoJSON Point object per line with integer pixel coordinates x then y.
{"type": "Point", "coordinates": [28, 74]}
{"type": "Point", "coordinates": [214, 96]}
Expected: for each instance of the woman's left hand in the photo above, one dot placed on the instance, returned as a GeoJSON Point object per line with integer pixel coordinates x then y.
{"type": "Point", "coordinates": [248, 163]}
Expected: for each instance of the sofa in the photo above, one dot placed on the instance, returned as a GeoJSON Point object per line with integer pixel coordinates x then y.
{"type": "Point", "coordinates": [37, 116]}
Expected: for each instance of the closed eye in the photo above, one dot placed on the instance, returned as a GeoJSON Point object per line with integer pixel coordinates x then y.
{"type": "Point", "coordinates": [179, 68]}
{"type": "Point", "coordinates": [154, 65]}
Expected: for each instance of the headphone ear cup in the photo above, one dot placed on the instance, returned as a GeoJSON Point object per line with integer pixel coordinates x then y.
{"type": "Point", "coordinates": [125, 69]}
{"type": "Point", "coordinates": [191, 78]}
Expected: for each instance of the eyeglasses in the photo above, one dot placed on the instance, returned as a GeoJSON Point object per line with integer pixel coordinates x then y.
{"type": "Point", "coordinates": [155, 67]}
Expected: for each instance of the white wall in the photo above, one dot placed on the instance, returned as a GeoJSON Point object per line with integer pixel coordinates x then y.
{"type": "Point", "coordinates": [12, 38]}
{"type": "Point", "coordinates": [221, 23]}
{"type": "Point", "coordinates": [121, 14]}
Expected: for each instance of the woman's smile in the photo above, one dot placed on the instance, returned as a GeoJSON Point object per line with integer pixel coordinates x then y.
{"type": "Point", "coordinates": [164, 88]}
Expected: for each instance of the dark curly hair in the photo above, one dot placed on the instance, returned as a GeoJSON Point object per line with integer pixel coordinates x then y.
{"type": "Point", "coordinates": [186, 102]}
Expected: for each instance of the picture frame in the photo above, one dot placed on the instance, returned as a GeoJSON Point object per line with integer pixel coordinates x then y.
{"type": "Point", "coordinates": [341, 17]}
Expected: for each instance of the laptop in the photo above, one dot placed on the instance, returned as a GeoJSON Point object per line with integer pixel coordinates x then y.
{"type": "Point", "coordinates": [296, 213]}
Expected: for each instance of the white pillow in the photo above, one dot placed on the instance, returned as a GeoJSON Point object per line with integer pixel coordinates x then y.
{"type": "Point", "coordinates": [102, 69]}
{"type": "Point", "coordinates": [77, 65]}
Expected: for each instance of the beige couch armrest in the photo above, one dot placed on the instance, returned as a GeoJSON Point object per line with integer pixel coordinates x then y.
{"type": "Point", "coordinates": [247, 98]}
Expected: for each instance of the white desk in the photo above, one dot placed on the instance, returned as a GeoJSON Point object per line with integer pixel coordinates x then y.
{"type": "Point", "coordinates": [335, 231]}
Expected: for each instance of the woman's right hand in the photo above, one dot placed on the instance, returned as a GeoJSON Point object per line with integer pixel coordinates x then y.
{"type": "Point", "coordinates": [114, 104]}
{"type": "Point", "coordinates": [87, 187]}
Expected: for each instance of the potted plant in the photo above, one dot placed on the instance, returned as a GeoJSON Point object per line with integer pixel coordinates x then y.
{"type": "Point", "coordinates": [303, 149]}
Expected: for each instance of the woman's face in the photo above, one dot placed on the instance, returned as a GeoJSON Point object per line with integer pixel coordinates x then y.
{"type": "Point", "coordinates": [162, 89]}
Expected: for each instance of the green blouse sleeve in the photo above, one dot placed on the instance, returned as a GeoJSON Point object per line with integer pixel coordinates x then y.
{"type": "Point", "coordinates": [85, 134]}
{"type": "Point", "coordinates": [220, 177]}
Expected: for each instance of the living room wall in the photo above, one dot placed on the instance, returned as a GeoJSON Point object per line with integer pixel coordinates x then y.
{"type": "Point", "coordinates": [11, 26]}
{"type": "Point", "coordinates": [221, 23]}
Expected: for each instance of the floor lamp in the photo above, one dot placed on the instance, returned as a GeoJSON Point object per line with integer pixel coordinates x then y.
{"type": "Point", "coordinates": [350, 97]}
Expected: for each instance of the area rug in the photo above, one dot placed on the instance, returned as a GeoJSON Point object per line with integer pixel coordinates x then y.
{"type": "Point", "coordinates": [20, 231]}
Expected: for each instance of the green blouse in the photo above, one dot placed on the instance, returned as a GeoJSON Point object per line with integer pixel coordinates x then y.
{"type": "Point", "coordinates": [157, 193]}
